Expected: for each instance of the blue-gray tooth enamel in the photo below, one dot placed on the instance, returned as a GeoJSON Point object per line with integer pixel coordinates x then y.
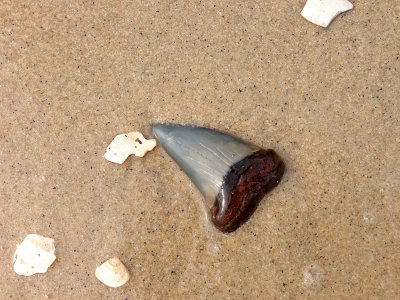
{"type": "Point", "coordinates": [232, 175]}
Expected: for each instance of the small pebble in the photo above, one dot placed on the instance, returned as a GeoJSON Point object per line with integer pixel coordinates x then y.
{"type": "Point", "coordinates": [313, 275]}
{"type": "Point", "coordinates": [322, 12]}
{"type": "Point", "coordinates": [112, 273]}
{"type": "Point", "coordinates": [123, 145]}
{"type": "Point", "coordinates": [34, 255]}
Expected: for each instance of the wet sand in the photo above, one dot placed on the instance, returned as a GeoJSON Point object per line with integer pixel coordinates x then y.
{"type": "Point", "coordinates": [74, 75]}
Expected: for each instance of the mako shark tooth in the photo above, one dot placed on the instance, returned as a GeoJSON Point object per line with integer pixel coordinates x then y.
{"type": "Point", "coordinates": [233, 176]}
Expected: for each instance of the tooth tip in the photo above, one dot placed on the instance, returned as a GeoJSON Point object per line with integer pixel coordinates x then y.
{"type": "Point", "coordinates": [156, 127]}
{"type": "Point", "coordinates": [161, 129]}
{"type": "Point", "coordinates": [158, 130]}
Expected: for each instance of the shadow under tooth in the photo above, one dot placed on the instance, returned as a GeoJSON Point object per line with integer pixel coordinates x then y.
{"type": "Point", "coordinates": [205, 155]}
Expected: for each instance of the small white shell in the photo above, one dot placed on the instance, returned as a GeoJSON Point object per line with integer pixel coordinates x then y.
{"type": "Point", "coordinates": [34, 255]}
{"type": "Point", "coordinates": [322, 12]}
{"type": "Point", "coordinates": [124, 145]}
{"type": "Point", "coordinates": [112, 273]}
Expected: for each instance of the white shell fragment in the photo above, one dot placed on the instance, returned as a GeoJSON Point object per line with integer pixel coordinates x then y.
{"type": "Point", "coordinates": [322, 12]}
{"type": "Point", "coordinates": [124, 145]}
{"type": "Point", "coordinates": [34, 255]}
{"type": "Point", "coordinates": [112, 273]}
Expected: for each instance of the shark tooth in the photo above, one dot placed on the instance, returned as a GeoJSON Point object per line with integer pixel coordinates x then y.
{"type": "Point", "coordinates": [232, 175]}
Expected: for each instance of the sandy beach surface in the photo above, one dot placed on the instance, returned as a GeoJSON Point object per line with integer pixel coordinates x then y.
{"type": "Point", "coordinates": [74, 74]}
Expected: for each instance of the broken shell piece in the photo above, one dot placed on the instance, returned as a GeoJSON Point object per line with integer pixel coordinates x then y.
{"type": "Point", "coordinates": [232, 175]}
{"type": "Point", "coordinates": [34, 255]}
{"type": "Point", "coordinates": [124, 145]}
{"type": "Point", "coordinates": [112, 273]}
{"type": "Point", "coordinates": [322, 12]}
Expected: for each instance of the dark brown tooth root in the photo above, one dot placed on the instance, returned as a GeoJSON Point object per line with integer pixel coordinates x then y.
{"type": "Point", "coordinates": [244, 186]}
